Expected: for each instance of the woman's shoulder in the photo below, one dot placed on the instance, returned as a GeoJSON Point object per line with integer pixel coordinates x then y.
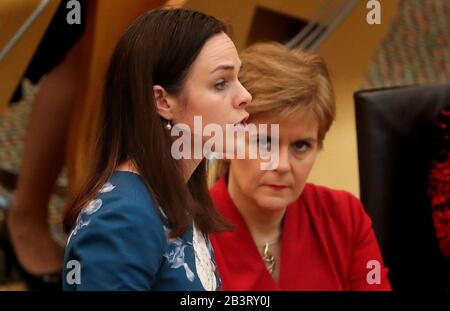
{"type": "Point", "coordinates": [338, 212]}
{"type": "Point", "coordinates": [333, 202]}
{"type": "Point", "coordinates": [128, 188]}
{"type": "Point", "coordinates": [123, 202]}
{"type": "Point", "coordinates": [325, 194]}
{"type": "Point", "coordinates": [120, 227]}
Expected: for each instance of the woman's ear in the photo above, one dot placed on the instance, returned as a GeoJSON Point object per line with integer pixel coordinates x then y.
{"type": "Point", "coordinates": [165, 103]}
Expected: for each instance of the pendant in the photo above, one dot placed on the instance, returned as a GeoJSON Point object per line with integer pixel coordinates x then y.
{"type": "Point", "coordinates": [269, 259]}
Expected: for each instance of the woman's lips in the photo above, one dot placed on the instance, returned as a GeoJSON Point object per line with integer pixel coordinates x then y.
{"type": "Point", "coordinates": [277, 187]}
{"type": "Point", "coordinates": [243, 122]}
{"type": "Point", "coordinates": [243, 125]}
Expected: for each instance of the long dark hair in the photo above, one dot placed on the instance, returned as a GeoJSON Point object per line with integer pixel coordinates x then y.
{"type": "Point", "coordinates": [157, 49]}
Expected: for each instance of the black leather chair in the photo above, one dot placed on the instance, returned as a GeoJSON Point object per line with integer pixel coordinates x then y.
{"type": "Point", "coordinates": [395, 128]}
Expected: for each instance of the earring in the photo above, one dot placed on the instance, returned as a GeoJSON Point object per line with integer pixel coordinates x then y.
{"type": "Point", "coordinates": [168, 126]}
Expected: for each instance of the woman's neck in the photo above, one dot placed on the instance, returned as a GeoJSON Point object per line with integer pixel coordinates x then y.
{"type": "Point", "coordinates": [188, 165]}
{"type": "Point", "coordinates": [128, 166]}
{"type": "Point", "coordinates": [264, 225]}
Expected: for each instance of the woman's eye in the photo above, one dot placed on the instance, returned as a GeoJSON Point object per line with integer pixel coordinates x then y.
{"type": "Point", "coordinates": [220, 85]}
{"type": "Point", "coordinates": [264, 141]}
{"type": "Point", "coordinates": [301, 146]}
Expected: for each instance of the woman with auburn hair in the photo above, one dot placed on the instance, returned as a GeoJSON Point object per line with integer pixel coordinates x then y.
{"type": "Point", "coordinates": [290, 234]}
{"type": "Point", "coordinates": [142, 220]}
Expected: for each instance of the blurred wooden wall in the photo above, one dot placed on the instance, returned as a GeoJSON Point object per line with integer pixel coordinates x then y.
{"type": "Point", "coordinates": [13, 14]}
{"type": "Point", "coordinates": [106, 22]}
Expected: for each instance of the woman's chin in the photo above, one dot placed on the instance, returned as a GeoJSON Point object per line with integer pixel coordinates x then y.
{"type": "Point", "coordinates": [273, 203]}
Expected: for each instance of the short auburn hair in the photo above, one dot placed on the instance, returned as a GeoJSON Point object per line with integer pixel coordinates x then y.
{"type": "Point", "coordinates": [284, 83]}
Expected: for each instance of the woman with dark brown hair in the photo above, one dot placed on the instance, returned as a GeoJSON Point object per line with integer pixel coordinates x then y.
{"type": "Point", "coordinates": [142, 220]}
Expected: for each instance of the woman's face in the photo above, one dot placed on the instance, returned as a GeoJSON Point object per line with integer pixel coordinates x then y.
{"type": "Point", "coordinates": [276, 189]}
{"type": "Point", "coordinates": [212, 89]}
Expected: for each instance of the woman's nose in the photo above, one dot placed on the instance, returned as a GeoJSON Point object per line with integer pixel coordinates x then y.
{"type": "Point", "coordinates": [283, 160]}
{"type": "Point", "coordinates": [244, 98]}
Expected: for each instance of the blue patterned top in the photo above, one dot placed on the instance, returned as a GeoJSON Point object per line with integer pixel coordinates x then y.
{"type": "Point", "coordinates": [120, 242]}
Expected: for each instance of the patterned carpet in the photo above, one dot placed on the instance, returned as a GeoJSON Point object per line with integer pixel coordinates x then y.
{"type": "Point", "coordinates": [417, 47]}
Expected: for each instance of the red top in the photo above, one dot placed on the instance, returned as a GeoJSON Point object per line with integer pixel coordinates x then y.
{"type": "Point", "coordinates": [327, 241]}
